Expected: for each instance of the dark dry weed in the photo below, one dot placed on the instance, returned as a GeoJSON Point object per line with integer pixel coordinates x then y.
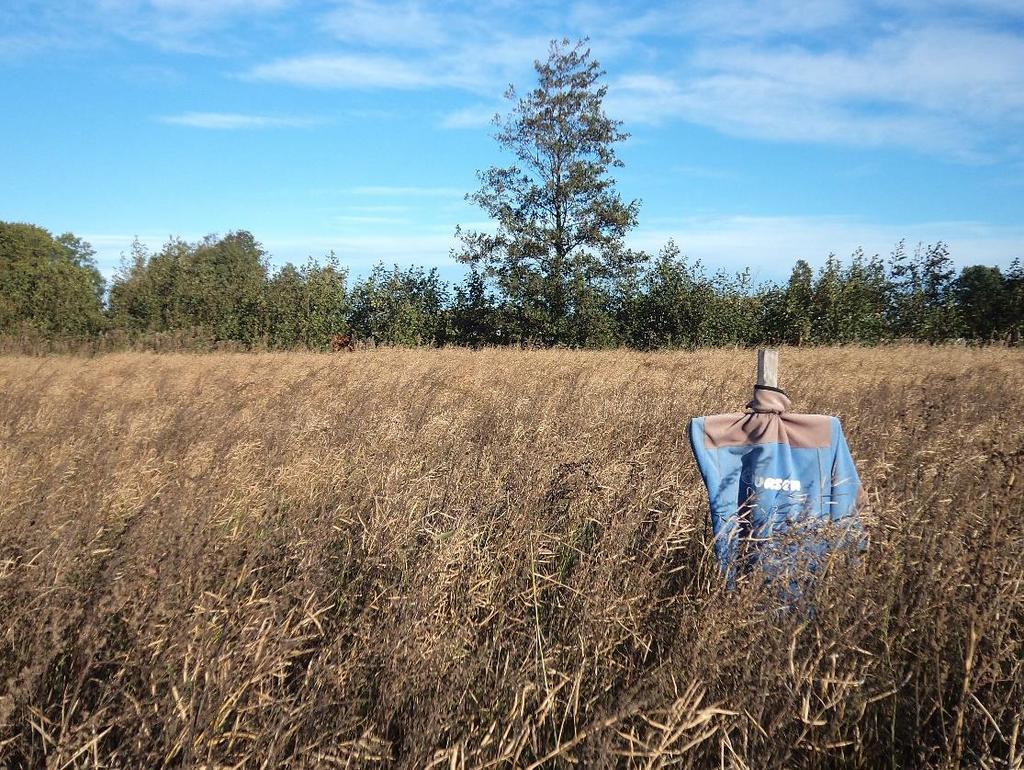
{"type": "Point", "coordinates": [451, 559]}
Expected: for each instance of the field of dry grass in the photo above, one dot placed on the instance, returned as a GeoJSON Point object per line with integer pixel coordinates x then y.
{"type": "Point", "coordinates": [495, 559]}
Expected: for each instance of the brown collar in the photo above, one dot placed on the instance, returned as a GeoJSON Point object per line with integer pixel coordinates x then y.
{"type": "Point", "coordinates": [770, 400]}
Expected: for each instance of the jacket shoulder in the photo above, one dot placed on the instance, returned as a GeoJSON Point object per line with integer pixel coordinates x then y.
{"type": "Point", "coordinates": [717, 426]}
{"type": "Point", "coordinates": [809, 431]}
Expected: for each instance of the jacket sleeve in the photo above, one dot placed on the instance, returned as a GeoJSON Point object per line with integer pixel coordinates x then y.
{"type": "Point", "coordinates": [846, 489]}
{"type": "Point", "coordinates": [723, 518]}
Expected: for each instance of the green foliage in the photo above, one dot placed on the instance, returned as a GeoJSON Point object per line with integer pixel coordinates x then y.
{"type": "Point", "coordinates": [797, 305]}
{"type": "Point", "coordinates": [219, 291]}
{"type": "Point", "coordinates": [215, 286]}
{"type": "Point", "coordinates": [668, 309]}
{"type": "Point", "coordinates": [401, 307]}
{"type": "Point", "coordinates": [560, 222]}
{"type": "Point", "coordinates": [865, 298]}
{"type": "Point", "coordinates": [475, 318]}
{"type": "Point", "coordinates": [844, 304]}
{"type": "Point", "coordinates": [305, 307]}
{"type": "Point", "coordinates": [48, 286]}
{"type": "Point", "coordinates": [732, 311]}
{"type": "Point", "coordinates": [984, 298]}
{"type": "Point", "coordinates": [1014, 318]}
{"type": "Point", "coordinates": [923, 303]}
{"type": "Point", "coordinates": [554, 271]}
{"type": "Point", "coordinates": [679, 305]}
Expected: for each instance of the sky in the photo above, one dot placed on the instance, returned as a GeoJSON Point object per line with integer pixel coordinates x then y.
{"type": "Point", "coordinates": [761, 131]}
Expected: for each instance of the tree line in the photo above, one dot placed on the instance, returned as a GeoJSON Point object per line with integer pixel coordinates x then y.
{"type": "Point", "coordinates": [554, 270]}
{"type": "Point", "coordinates": [223, 290]}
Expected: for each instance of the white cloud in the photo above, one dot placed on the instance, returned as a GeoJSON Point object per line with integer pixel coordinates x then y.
{"type": "Point", "coordinates": [968, 72]}
{"type": "Point", "coordinates": [360, 251]}
{"type": "Point", "coordinates": [406, 191]}
{"type": "Point", "coordinates": [382, 209]}
{"type": "Point", "coordinates": [771, 244]}
{"type": "Point", "coordinates": [482, 66]}
{"type": "Point", "coordinates": [940, 76]}
{"type": "Point", "coordinates": [715, 20]}
{"type": "Point", "coordinates": [471, 117]}
{"type": "Point", "coordinates": [381, 30]}
{"type": "Point", "coordinates": [369, 219]}
{"type": "Point", "coordinates": [935, 89]}
{"type": "Point", "coordinates": [722, 18]}
{"type": "Point", "coordinates": [111, 248]}
{"type": "Point", "coordinates": [346, 71]}
{"type": "Point", "coordinates": [1006, 8]}
{"type": "Point", "coordinates": [406, 24]}
{"type": "Point", "coordinates": [938, 79]}
{"type": "Point", "coordinates": [766, 18]}
{"type": "Point", "coordinates": [212, 27]}
{"type": "Point", "coordinates": [761, 109]}
{"type": "Point", "coordinates": [183, 25]}
{"type": "Point", "coordinates": [233, 120]}
{"type": "Point", "coordinates": [13, 46]}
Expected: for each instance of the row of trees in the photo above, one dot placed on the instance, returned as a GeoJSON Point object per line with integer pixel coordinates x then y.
{"type": "Point", "coordinates": [554, 269]}
{"type": "Point", "coordinates": [224, 290]}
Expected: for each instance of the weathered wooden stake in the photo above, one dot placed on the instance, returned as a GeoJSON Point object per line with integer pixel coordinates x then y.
{"type": "Point", "coordinates": [768, 368]}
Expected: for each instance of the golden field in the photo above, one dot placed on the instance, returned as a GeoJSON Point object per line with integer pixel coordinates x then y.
{"type": "Point", "coordinates": [456, 559]}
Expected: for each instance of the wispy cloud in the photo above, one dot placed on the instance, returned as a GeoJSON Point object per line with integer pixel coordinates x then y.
{"type": "Point", "coordinates": [414, 45]}
{"type": "Point", "coordinates": [362, 251]}
{"type": "Point", "coordinates": [406, 191]}
{"type": "Point", "coordinates": [769, 244]}
{"type": "Point", "coordinates": [936, 76]}
{"type": "Point", "coordinates": [483, 68]}
{"type": "Point", "coordinates": [33, 27]}
{"type": "Point", "coordinates": [935, 89]}
{"type": "Point", "coordinates": [228, 121]}
{"type": "Point", "coordinates": [760, 109]}
{"type": "Point", "coordinates": [346, 71]}
{"type": "Point", "coordinates": [939, 78]}
{"type": "Point", "coordinates": [936, 68]}
{"type": "Point", "coordinates": [405, 24]}
{"type": "Point", "coordinates": [112, 248]}
{"type": "Point", "coordinates": [476, 116]}
{"type": "Point", "coordinates": [724, 19]}
{"type": "Point", "coordinates": [697, 171]}
{"type": "Point", "coordinates": [185, 25]}
{"type": "Point", "coordinates": [357, 250]}
{"type": "Point", "coordinates": [365, 219]}
{"type": "Point", "coordinates": [213, 27]}
{"type": "Point", "coordinates": [773, 243]}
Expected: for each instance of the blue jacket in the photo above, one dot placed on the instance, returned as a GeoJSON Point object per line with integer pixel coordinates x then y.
{"type": "Point", "coordinates": [773, 475]}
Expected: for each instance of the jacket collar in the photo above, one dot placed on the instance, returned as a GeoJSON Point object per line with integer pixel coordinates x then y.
{"type": "Point", "coordinates": [768, 399]}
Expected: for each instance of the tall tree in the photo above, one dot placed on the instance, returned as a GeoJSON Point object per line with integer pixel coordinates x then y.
{"type": "Point", "coordinates": [799, 305]}
{"type": "Point", "coordinates": [214, 288]}
{"type": "Point", "coordinates": [865, 299]}
{"type": "Point", "coordinates": [48, 286]}
{"type": "Point", "coordinates": [560, 221]}
{"type": "Point", "coordinates": [305, 307]}
{"type": "Point", "coordinates": [1015, 301]}
{"type": "Point", "coordinates": [984, 301]}
{"type": "Point", "coordinates": [401, 306]}
{"type": "Point", "coordinates": [475, 319]}
{"type": "Point", "coordinates": [670, 311]}
{"type": "Point", "coordinates": [923, 303]}
{"type": "Point", "coordinates": [827, 311]}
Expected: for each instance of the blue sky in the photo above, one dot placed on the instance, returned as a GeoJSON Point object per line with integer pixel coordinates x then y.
{"type": "Point", "coordinates": [762, 131]}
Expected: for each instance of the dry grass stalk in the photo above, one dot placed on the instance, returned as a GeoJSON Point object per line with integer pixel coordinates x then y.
{"type": "Point", "coordinates": [497, 559]}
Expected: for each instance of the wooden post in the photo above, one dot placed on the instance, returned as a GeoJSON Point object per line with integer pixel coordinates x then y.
{"type": "Point", "coordinates": [768, 368]}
